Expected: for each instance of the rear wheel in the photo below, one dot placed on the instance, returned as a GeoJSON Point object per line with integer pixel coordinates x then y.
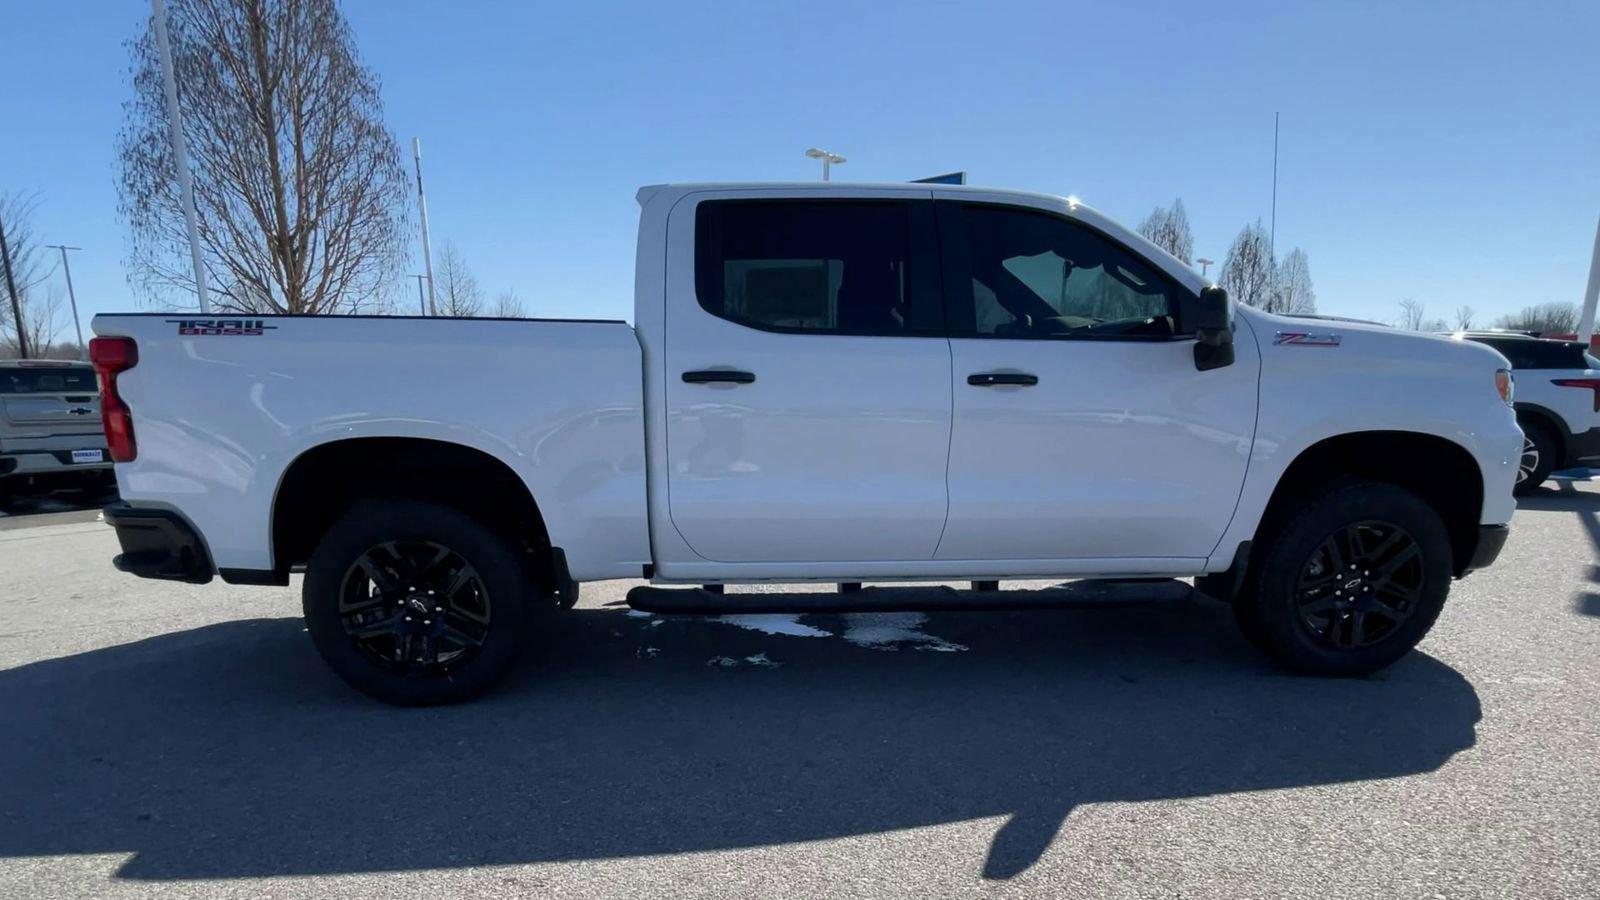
{"type": "Point", "coordinates": [1539, 450]}
{"type": "Point", "coordinates": [1351, 583]}
{"type": "Point", "coordinates": [416, 603]}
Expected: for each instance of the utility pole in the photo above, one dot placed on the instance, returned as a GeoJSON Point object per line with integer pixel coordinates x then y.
{"type": "Point", "coordinates": [16, 302]}
{"type": "Point", "coordinates": [422, 302]}
{"type": "Point", "coordinates": [1204, 265]}
{"type": "Point", "coordinates": [422, 211]}
{"type": "Point", "coordinates": [180, 155]}
{"type": "Point", "coordinates": [71, 296]}
{"type": "Point", "coordinates": [1272, 236]}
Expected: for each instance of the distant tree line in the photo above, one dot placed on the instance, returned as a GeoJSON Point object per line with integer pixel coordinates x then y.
{"type": "Point", "coordinates": [1542, 318]}
{"type": "Point", "coordinates": [39, 300]}
{"type": "Point", "coordinates": [1249, 273]}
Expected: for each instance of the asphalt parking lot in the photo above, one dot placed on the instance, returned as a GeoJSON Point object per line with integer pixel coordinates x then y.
{"type": "Point", "coordinates": [174, 741]}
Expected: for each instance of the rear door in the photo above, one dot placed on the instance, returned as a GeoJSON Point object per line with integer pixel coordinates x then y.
{"type": "Point", "coordinates": [1081, 429]}
{"type": "Point", "coordinates": [807, 378]}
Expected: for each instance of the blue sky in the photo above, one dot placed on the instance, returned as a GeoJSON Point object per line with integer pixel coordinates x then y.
{"type": "Point", "coordinates": [1448, 152]}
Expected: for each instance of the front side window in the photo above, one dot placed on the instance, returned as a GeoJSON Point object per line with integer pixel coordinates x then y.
{"type": "Point", "coordinates": [1033, 274]}
{"type": "Point", "coordinates": [828, 267]}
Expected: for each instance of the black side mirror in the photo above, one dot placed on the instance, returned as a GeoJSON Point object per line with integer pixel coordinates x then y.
{"type": "Point", "coordinates": [1213, 330]}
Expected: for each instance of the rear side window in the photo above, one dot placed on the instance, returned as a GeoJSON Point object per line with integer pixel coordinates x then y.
{"type": "Point", "coordinates": [1541, 354]}
{"type": "Point", "coordinates": [66, 380]}
{"type": "Point", "coordinates": [810, 266]}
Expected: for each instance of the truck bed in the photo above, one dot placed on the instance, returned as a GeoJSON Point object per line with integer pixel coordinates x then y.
{"type": "Point", "coordinates": [222, 407]}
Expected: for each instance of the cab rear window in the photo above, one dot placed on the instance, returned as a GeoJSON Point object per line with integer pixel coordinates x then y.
{"type": "Point", "coordinates": [65, 380]}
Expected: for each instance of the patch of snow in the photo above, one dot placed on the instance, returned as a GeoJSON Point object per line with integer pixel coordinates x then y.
{"type": "Point", "coordinates": [639, 614]}
{"type": "Point", "coordinates": [886, 631]}
{"type": "Point", "coordinates": [760, 659]}
{"type": "Point", "coordinates": [772, 623]}
{"type": "Point", "coordinates": [648, 652]}
{"type": "Point", "coordinates": [726, 662]}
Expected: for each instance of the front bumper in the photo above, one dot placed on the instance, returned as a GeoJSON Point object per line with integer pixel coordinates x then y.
{"type": "Point", "coordinates": [1491, 539]}
{"type": "Point", "coordinates": [158, 543]}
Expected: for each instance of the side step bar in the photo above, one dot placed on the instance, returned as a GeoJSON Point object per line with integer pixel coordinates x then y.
{"type": "Point", "coordinates": [932, 598]}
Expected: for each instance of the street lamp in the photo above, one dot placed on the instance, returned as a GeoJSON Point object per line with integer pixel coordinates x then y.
{"type": "Point", "coordinates": [1204, 264]}
{"type": "Point", "coordinates": [827, 159]}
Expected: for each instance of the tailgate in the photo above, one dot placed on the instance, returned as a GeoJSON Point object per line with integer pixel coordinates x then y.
{"type": "Point", "coordinates": [41, 398]}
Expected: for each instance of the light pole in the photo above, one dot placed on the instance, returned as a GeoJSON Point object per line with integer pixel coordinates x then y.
{"type": "Point", "coordinates": [827, 159]}
{"type": "Point", "coordinates": [180, 156]}
{"type": "Point", "coordinates": [422, 302]}
{"type": "Point", "coordinates": [422, 211]}
{"type": "Point", "coordinates": [1204, 264]}
{"type": "Point", "coordinates": [71, 296]}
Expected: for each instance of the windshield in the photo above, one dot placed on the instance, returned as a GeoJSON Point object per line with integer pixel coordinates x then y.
{"type": "Point", "coordinates": [63, 380]}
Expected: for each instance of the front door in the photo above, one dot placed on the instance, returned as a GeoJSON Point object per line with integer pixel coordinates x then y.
{"type": "Point", "coordinates": [1082, 429]}
{"type": "Point", "coordinates": [807, 381]}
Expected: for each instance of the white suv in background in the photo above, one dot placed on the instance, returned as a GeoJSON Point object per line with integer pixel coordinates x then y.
{"type": "Point", "coordinates": [1557, 403]}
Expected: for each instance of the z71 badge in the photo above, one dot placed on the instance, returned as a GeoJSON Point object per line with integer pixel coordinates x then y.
{"type": "Point", "coordinates": [221, 327]}
{"type": "Point", "coordinates": [1308, 339]}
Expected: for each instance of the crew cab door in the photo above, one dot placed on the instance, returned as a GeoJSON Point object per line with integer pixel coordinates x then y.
{"type": "Point", "coordinates": [807, 377]}
{"type": "Point", "coordinates": [1082, 429]}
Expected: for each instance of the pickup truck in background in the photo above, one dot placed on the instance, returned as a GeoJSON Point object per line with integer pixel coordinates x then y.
{"type": "Point", "coordinates": [823, 383]}
{"type": "Point", "coordinates": [50, 430]}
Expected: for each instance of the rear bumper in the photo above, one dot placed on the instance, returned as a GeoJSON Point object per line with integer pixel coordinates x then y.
{"type": "Point", "coordinates": [1491, 538]}
{"type": "Point", "coordinates": [158, 543]}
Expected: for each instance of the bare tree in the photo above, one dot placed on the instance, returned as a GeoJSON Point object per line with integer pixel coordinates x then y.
{"type": "Point", "coordinates": [1464, 318]}
{"type": "Point", "coordinates": [509, 306]}
{"type": "Point", "coordinates": [1412, 314]}
{"type": "Point", "coordinates": [1292, 289]}
{"type": "Point", "coordinates": [32, 264]}
{"type": "Point", "coordinates": [457, 290]}
{"type": "Point", "coordinates": [1169, 230]}
{"type": "Point", "coordinates": [1545, 318]}
{"type": "Point", "coordinates": [1248, 272]}
{"type": "Point", "coordinates": [298, 184]}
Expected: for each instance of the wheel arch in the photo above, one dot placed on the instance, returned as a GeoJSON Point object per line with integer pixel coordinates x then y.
{"type": "Point", "coordinates": [324, 480]}
{"type": "Point", "coordinates": [1551, 420]}
{"type": "Point", "coordinates": [1440, 471]}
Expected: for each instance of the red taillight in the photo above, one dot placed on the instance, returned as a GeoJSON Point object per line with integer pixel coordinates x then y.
{"type": "Point", "coordinates": [1592, 384]}
{"type": "Point", "coordinates": [110, 356]}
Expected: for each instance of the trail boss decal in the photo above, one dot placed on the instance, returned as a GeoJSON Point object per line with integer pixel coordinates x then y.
{"type": "Point", "coordinates": [221, 327]}
{"type": "Point", "coordinates": [1308, 339]}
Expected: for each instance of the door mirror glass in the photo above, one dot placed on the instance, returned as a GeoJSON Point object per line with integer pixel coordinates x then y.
{"type": "Point", "coordinates": [1213, 330]}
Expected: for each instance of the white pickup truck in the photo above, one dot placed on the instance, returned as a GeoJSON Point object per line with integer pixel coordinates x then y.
{"type": "Point", "coordinates": [823, 383]}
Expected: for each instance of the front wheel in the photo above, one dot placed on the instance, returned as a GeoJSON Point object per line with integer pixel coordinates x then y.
{"type": "Point", "coordinates": [416, 603]}
{"type": "Point", "coordinates": [1351, 583]}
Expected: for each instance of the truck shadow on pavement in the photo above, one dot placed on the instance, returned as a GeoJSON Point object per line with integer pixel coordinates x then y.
{"type": "Point", "coordinates": [1586, 504]}
{"type": "Point", "coordinates": [230, 751]}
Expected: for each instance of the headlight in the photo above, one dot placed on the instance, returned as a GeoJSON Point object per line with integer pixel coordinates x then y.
{"type": "Point", "coordinates": [1505, 384]}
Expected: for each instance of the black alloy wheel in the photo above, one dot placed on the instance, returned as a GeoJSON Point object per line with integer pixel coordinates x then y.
{"type": "Point", "coordinates": [1360, 584]}
{"type": "Point", "coordinates": [414, 607]}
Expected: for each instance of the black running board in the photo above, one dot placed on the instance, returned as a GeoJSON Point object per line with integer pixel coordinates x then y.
{"type": "Point", "coordinates": [1072, 595]}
